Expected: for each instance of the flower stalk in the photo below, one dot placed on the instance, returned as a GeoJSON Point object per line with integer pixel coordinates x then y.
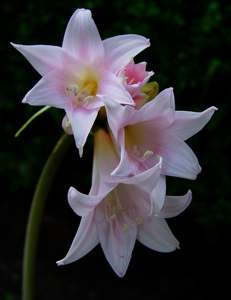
{"type": "Point", "coordinates": [25, 125]}
{"type": "Point", "coordinates": [36, 214]}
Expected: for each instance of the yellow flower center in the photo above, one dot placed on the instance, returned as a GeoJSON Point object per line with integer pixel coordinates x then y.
{"type": "Point", "coordinates": [135, 142]}
{"type": "Point", "coordinates": [86, 86]}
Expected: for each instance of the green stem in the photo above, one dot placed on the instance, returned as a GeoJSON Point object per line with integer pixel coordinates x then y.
{"type": "Point", "coordinates": [24, 126]}
{"type": "Point", "coordinates": [36, 213]}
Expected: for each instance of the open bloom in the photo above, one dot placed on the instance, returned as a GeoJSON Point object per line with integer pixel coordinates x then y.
{"type": "Point", "coordinates": [156, 129]}
{"type": "Point", "coordinates": [115, 214]}
{"type": "Point", "coordinates": [78, 76]}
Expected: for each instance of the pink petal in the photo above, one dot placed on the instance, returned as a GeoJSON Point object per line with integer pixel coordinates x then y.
{"type": "Point", "coordinates": [159, 193]}
{"type": "Point", "coordinates": [117, 239]}
{"type": "Point", "coordinates": [126, 166]}
{"type": "Point", "coordinates": [135, 201]}
{"type": "Point", "coordinates": [113, 89]}
{"type": "Point", "coordinates": [174, 205]}
{"type": "Point", "coordinates": [188, 123]}
{"type": "Point", "coordinates": [83, 204]}
{"type": "Point", "coordinates": [118, 116]}
{"type": "Point", "coordinates": [178, 158]}
{"type": "Point", "coordinates": [82, 39]}
{"type": "Point", "coordinates": [105, 157]}
{"type": "Point", "coordinates": [146, 179]}
{"type": "Point", "coordinates": [81, 121]}
{"type": "Point", "coordinates": [42, 57]}
{"type": "Point", "coordinates": [47, 92]}
{"type": "Point", "coordinates": [85, 240]}
{"type": "Point", "coordinates": [119, 50]}
{"type": "Point", "coordinates": [160, 108]}
{"type": "Point", "coordinates": [156, 235]}
{"type": "Point", "coordinates": [105, 160]}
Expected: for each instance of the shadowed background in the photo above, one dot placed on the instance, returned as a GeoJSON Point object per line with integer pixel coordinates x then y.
{"type": "Point", "coordinates": [190, 50]}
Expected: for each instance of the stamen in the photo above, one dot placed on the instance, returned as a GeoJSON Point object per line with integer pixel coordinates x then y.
{"type": "Point", "coordinates": [72, 90]}
{"type": "Point", "coordinates": [82, 91]}
{"type": "Point", "coordinates": [113, 206]}
{"type": "Point", "coordinates": [131, 81]}
{"type": "Point", "coordinates": [147, 154]}
{"type": "Point", "coordinates": [143, 156]}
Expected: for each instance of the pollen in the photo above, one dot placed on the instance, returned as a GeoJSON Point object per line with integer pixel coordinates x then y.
{"type": "Point", "coordinates": [147, 154]}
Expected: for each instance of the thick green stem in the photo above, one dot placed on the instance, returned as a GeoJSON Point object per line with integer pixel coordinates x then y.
{"type": "Point", "coordinates": [36, 213]}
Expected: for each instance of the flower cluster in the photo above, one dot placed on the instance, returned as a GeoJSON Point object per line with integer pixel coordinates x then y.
{"type": "Point", "coordinates": [141, 141]}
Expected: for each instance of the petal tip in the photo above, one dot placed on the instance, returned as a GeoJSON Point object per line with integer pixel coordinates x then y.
{"type": "Point", "coordinates": [71, 193]}
{"type": "Point", "coordinates": [148, 42]}
{"type": "Point", "coordinates": [13, 44]}
{"type": "Point", "coordinates": [60, 263]}
{"type": "Point", "coordinates": [80, 151]}
{"type": "Point", "coordinates": [24, 100]}
{"type": "Point", "coordinates": [189, 194]}
{"type": "Point", "coordinates": [83, 11]}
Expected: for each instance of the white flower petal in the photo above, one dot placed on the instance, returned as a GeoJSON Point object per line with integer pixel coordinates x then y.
{"type": "Point", "coordinates": [120, 50]}
{"type": "Point", "coordinates": [104, 161]}
{"type": "Point", "coordinates": [117, 239]}
{"type": "Point", "coordinates": [82, 39]}
{"type": "Point", "coordinates": [117, 116]}
{"type": "Point", "coordinates": [83, 204]}
{"type": "Point", "coordinates": [188, 123]}
{"type": "Point", "coordinates": [178, 158]}
{"type": "Point", "coordinates": [162, 107]}
{"type": "Point", "coordinates": [85, 240]}
{"type": "Point", "coordinates": [47, 92]}
{"type": "Point", "coordinates": [43, 58]}
{"type": "Point", "coordinates": [81, 121]}
{"type": "Point", "coordinates": [174, 205]}
{"type": "Point", "coordinates": [113, 89]}
{"type": "Point", "coordinates": [158, 194]}
{"type": "Point", "coordinates": [156, 235]}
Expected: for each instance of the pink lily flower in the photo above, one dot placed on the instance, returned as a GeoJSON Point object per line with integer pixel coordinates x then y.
{"type": "Point", "coordinates": [78, 76]}
{"type": "Point", "coordinates": [156, 129]}
{"type": "Point", "coordinates": [135, 76]}
{"type": "Point", "coordinates": [115, 214]}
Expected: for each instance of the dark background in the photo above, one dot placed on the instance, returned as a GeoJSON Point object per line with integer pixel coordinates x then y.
{"type": "Point", "coordinates": [190, 50]}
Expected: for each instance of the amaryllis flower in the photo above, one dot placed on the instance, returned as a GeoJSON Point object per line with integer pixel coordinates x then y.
{"type": "Point", "coordinates": [115, 214]}
{"type": "Point", "coordinates": [156, 129]}
{"type": "Point", "coordinates": [79, 75]}
{"type": "Point", "coordinates": [135, 76]}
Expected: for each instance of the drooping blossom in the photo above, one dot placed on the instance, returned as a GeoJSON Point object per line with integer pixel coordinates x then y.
{"type": "Point", "coordinates": [78, 76]}
{"type": "Point", "coordinates": [157, 129]}
{"type": "Point", "coordinates": [115, 214]}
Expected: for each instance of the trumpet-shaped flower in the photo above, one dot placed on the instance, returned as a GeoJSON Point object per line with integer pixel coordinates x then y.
{"type": "Point", "coordinates": [78, 76]}
{"type": "Point", "coordinates": [156, 129]}
{"type": "Point", "coordinates": [116, 213]}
